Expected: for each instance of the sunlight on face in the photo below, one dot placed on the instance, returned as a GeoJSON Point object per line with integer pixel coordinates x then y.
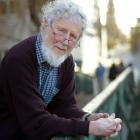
{"type": "Point", "coordinates": [59, 40]}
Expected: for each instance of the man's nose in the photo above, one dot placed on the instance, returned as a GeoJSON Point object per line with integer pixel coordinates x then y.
{"type": "Point", "coordinates": [66, 41]}
{"type": "Point", "coordinates": [67, 36]}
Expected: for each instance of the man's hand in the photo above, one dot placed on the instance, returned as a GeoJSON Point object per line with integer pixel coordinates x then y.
{"type": "Point", "coordinates": [118, 125]}
{"type": "Point", "coordinates": [96, 116]}
{"type": "Point", "coordinates": [108, 127]}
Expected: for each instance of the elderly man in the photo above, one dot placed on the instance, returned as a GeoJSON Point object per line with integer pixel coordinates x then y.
{"type": "Point", "coordinates": [37, 83]}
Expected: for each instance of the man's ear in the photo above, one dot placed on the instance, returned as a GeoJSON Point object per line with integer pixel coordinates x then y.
{"type": "Point", "coordinates": [44, 22]}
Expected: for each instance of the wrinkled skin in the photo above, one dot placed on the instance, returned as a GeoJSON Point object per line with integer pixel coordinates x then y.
{"type": "Point", "coordinates": [107, 126]}
{"type": "Point", "coordinates": [96, 116]}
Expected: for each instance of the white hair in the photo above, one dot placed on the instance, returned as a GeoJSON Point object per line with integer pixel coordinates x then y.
{"type": "Point", "coordinates": [64, 9]}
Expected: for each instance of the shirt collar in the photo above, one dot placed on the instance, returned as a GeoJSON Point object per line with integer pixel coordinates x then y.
{"type": "Point", "coordinates": [40, 56]}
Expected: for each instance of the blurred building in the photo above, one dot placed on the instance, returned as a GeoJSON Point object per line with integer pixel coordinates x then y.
{"type": "Point", "coordinates": [135, 46]}
{"type": "Point", "coordinates": [135, 36]}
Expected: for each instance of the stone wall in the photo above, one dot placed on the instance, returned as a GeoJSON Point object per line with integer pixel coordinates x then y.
{"type": "Point", "coordinates": [18, 20]}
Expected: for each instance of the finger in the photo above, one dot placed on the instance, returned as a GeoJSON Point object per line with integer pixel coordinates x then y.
{"type": "Point", "coordinates": [118, 120]}
{"type": "Point", "coordinates": [113, 135]}
{"type": "Point", "coordinates": [105, 115]}
{"type": "Point", "coordinates": [107, 137]}
{"type": "Point", "coordinates": [102, 115]}
{"type": "Point", "coordinates": [95, 116]}
{"type": "Point", "coordinates": [119, 127]}
{"type": "Point", "coordinates": [112, 116]}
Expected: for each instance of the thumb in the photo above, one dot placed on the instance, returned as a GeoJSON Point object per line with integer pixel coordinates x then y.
{"type": "Point", "coordinates": [115, 134]}
{"type": "Point", "coordinates": [112, 116]}
{"type": "Point", "coordinates": [118, 120]}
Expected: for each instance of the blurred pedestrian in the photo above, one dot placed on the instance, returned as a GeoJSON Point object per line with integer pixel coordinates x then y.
{"type": "Point", "coordinates": [113, 72]}
{"type": "Point", "coordinates": [100, 75]}
{"type": "Point", "coordinates": [120, 67]}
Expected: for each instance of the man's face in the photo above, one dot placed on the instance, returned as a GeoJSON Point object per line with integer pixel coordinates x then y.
{"type": "Point", "coordinates": [62, 36]}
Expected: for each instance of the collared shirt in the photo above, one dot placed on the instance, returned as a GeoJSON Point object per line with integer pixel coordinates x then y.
{"type": "Point", "coordinates": [48, 75]}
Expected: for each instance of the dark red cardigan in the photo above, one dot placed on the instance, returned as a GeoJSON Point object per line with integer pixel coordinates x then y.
{"type": "Point", "coordinates": [23, 115]}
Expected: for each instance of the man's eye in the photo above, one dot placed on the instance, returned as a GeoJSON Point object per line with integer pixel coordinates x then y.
{"type": "Point", "coordinates": [73, 37]}
{"type": "Point", "coordinates": [61, 31]}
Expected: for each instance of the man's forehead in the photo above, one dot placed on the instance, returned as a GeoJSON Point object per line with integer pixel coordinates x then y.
{"type": "Point", "coordinates": [68, 24]}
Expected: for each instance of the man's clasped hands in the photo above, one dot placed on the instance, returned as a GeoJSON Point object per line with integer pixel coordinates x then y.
{"type": "Point", "coordinates": [101, 124]}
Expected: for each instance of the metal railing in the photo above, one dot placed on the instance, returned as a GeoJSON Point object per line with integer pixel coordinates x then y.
{"type": "Point", "coordinates": [118, 98]}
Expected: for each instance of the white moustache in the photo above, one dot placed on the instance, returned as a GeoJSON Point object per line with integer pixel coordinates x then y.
{"type": "Point", "coordinates": [61, 46]}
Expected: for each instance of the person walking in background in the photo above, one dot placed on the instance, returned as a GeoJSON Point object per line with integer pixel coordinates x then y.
{"type": "Point", "coordinates": [37, 86]}
{"type": "Point", "coordinates": [100, 74]}
{"type": "Point", "coordinates": [120, 67]}
{"type": "Point", "coordinates": [113, 72]}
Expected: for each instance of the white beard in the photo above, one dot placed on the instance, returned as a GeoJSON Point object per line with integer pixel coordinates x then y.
{"type": "Point", "coordinates": [53, 59]}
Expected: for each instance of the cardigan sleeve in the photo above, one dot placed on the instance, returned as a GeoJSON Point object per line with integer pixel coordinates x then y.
{"type": "Point", "coordinates": [65, 99]}
{"type": "Point", "coordinates": [28, 105]}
